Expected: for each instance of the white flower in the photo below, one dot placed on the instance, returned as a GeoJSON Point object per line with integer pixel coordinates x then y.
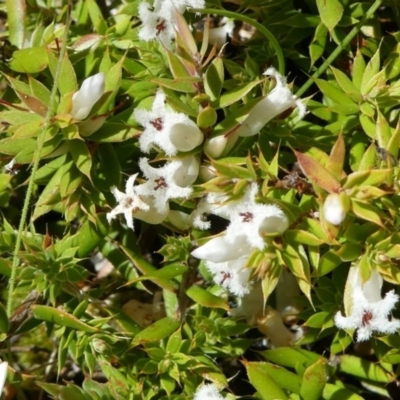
{"type": "Point", "coordinates": [232, 275]}
{"type": "Point", "coordinates": [156, 24]}
{"type": "Point", "coordinates": [3, 375]}
{"type": "Point", "coordinates": [159, 22]}
{"type": "Point", "coordinates": [333, 209]}
{"type": "Point", "coordinates": [218, 35]}
{"type": "Point", "coordinates": [153, 215]}
{"type": "Point", "coordinates": [219, 249]}
{"type": "Point", "coordinates": [251, 220]}
{"type": "Point", "coordinates": [128, 202]}
{"type": "Point", "coordinates": [9, 168]}
{"type": "Point", "coordinates": [161, 184]}
{"type": "Point", "coordinates": [365, 309]}
{"type": "Point", "coordinates": [276, 102]}
{"type": "Point", "coordinates": [207, 391]}
{"type": "Point", "coordinates": [169, 130]}
{"type": "Point", "coordinates": [87, 96]}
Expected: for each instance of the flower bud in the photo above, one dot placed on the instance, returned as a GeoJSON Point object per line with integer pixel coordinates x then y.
{"type": "Point", "coordinates": [215, 146]}
{"type": "Point", "coordinates": [187, 174]}
{"type": "Point", "coordinates": [333, 209]}
{"type": "Point", "coordinates": [87, 96]}
{"type": "Point", "coordinates": [185, 136]}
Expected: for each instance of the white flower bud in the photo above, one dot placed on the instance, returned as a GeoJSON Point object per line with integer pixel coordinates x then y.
{"type": "Point", "coordinates": [179, 219]}
{"type": "Point", "coordinates": [87, 96]}
{"type": "Point", "coordinates": [215, 146]}
{"type": "Point", "coordinates": [185, 136]}
{"type": "Point", "coordinates": [188, 172]}
{"type": "Point", "coordinates": [333, 209]}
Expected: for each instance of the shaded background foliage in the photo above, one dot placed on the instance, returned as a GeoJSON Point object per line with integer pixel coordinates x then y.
{"type": "Point", "coordinates": [154, 326]}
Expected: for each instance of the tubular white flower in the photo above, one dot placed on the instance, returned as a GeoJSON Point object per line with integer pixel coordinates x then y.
{"type": "Point", "coordinates": [219, 250]}
{"type": "Point", "coordinates": [333, 209]}
{"type": "Point", "coordinates": [87, 96]}
{"type": "Point", "coordinates": [232, 275]}
{"type": "Point", "coordinates": [3, 375]}
{"type": "Point", "coordinates": [207, 391]}
{"type": "Point", "coordinates": [128, 202]}
{"type": "Point", "coordinates": [366, 311]}
{"type": "Point", "coordinates": [169, 130]}
{"type": "Point", "coordinates": [161, 184]}
{"type": "Point", "coordinates": [251, 220]}
{"type": "Point", "coordinates": [276, 102]}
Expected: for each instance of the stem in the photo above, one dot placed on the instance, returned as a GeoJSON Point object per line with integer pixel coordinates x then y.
{"type": "Point", "coordinates": [339, 49]}
{"type": "Point", "coordinates": [267, 33]}
{"type": "Point", "coordinates": [36, 158]}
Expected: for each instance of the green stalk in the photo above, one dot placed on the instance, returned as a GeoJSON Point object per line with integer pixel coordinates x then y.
{"type": "Point", "coordinates": [339, 49]}
{"type": "Point", "coordinates": [259, 27]}
{"type": "Point", "coordinates": [36, 159]}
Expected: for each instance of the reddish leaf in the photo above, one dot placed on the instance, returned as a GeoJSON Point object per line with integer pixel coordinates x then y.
{"type": "Point", "coordinates": [317, 173]}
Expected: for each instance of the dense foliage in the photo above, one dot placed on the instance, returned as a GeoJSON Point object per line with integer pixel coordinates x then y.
{"type": "Point", "coordinates": [200, 199]}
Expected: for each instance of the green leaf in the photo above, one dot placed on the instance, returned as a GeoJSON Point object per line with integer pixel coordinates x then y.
{"type": "Point", "coordinates": [234, 95]}
{"type": "Point", "coordinates": [168, 272]}
{"type": "Point", "coordinates": [345, 105]}
{"type": "Point", "coordinates": [96, 17]}
{"type": "Point", "coordinates": [330, 12]}
{"type": "Point", "coordinates": [359, 66]}
{"type": "Point", "coordinates": [346, 84]}
{"type": "Point", "coordinates": [364, 369]}
{"type": "Point", "coordinates": [67, 82]}
{"type": "Point", "coordinates": [81, 156]}
{"type": "Point", "coordinates": [373, 177]}
{"type": "Point", "coordinates": [16, 16]}
{"type": "Point", "coordinates": [54, 315]}
{"type": "Point", "coordinates": [205, 298]}
{"type": "Point", "coordinates": [29, 61]}
{"type": "Point", "coordinates": [114, 132]}
{"type": "Point", "coordinates": [266, 387]}
{"type": "Point", "coordinates": [285, 379]}
{"type": "Point", "coordinates": [332, 392]}
{"type": "Point", "coordinates": [366, 211]}
{"type": "Point", "coordinates": [317, 45]}
{"type": "Point", "coordinates": [157, 331]}
{"type": "Point", "coordinates": [291, 357]}
{"type": "Point", "coordinates": [303, 237]}
{"type": "Point", "coordinates": [371, 70]}
{"type": "Point", "coordinates": [147, 269]}
{"type": "Point", "coordinates": [214, 79]}
{"type": "Point", "coordinates": [314, 380]}
{"type": "Point", "coordinates": [4, 322]}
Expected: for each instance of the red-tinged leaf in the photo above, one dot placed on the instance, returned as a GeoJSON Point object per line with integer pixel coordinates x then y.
{"type": "Point", "coordinates": [317, 173]}
{"type": "Point", "coordinates": [33, 103]}
{"type": "Point", "coordinates": [336, 158]}
{"type": "Point", "coordinates": [186, 34]}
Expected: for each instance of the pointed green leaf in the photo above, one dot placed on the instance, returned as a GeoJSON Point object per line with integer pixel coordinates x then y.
{"type": "Point", "coordinates": [266, 387]}
{"type": "Point", "coordinates": [206, 299]}
{"type": "Point", "coordinates": [330, 12]}
{"type": "Point", "coordinates": [157, 331]}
